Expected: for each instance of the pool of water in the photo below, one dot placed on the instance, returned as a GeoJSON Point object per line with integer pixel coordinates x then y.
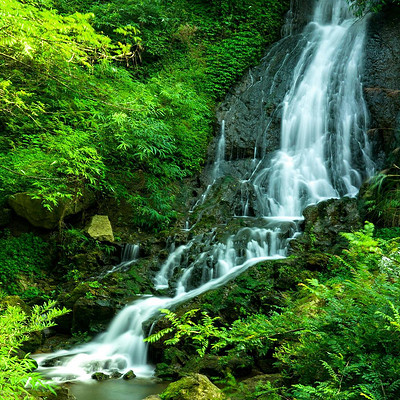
{"type": "Point", "coordinates": [136, 389]}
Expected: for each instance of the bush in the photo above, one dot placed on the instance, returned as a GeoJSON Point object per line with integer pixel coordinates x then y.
{"type": "Point", "coordinates": [16, 372]}
{"type": "Point", "coordinates": [26, 254]}
{"type": "Point", "coordinates": [334, 339]}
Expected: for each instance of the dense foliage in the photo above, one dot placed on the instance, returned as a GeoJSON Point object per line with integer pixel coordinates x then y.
{"type": "Point", "coordinates": [16, 377]}
{"type": "Point", "coordinates": [117, 97]}
{"type": "Point", "coordinates": [336, 338]}
{"type": "Point", "coordinates": [362, 7]}
{"type": "Point", "coordinates": [26, 255]}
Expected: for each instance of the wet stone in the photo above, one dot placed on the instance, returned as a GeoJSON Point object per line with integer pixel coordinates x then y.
{"type": "Point", "coordinates": [129, 375]}
{"type": "Point", "coordinates": [100, 376]}
{"type": "Point", "coordinates": [115, 375]}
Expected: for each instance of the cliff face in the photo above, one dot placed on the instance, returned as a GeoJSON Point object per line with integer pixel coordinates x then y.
{"type": "Point", "coordinates": [252, 110]}
{"type": "Point", "coordinates": [382, 81]}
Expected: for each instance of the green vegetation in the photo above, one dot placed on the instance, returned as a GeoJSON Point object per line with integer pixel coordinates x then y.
{"type": "Point", "coordinates": [16, 326]}
{"type": "Point", "coordinates": [382, 197]}
{"type": "Point", "coordinates": [26, 255]}
{"type": "Point", "coordinates": [361, 7]}
{"type": "Point", "coordinates": [117, 97]}
{"type": "Point", "coordinates": [335, 338]}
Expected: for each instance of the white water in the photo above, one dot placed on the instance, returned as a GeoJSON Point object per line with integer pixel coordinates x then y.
{"type": "Point", "coordinates": [130, 255]}
{"type": "Point", "coordinates": [324, 153]}
{"type": "Point", "coordinates": [324, 119]}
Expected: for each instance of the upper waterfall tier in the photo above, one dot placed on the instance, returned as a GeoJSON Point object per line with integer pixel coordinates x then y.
{"type": "Point", "coordinates": [324, 151]}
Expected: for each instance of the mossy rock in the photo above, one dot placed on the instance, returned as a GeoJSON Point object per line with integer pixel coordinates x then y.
{"type": "Point", "coordinates": [100, 376]}
{"type": "Point", "coordinates": [192, 387]}
{"type": "Point", "coordinates": [61, 393]}
{"type": "Point", "coordinates": [100, 228]}
{"type": "Point", "coordinates": [33, 210]}
{"type": "Point", "coordinates": [251, 387]}
{"type": "Point", "coordinates": [129, 375]}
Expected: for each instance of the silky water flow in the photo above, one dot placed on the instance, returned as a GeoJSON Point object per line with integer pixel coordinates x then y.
{"type": "Point", "coordinates": [324, 153]}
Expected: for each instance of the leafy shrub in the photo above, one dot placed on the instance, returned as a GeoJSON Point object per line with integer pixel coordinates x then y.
{"type": "Point", "coordinates": [125, 113]}
{"type": "Point", "coordinates": [335, 339]}
{"type": "Point", "coordinates": [15, 327]}
{"type": "Point", "coordinates": [26, 254]}
{"type": "Point", "coordinates": [361, 7]}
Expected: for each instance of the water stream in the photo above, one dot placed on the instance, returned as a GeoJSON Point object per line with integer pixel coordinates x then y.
{"type": "Point", "coordinates": [324, 153]}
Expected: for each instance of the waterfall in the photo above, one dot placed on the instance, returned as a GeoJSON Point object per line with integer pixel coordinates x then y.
{"type": "Point", "coordinates": [129, 256]}
{"type": "Point", "coordinates": [324, 153]}
{"type": "Point", "coordinates": [324, 149]}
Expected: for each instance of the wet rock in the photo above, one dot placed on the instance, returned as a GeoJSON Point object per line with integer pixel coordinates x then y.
{"type": "Point", "coordinates": [92, 314]}
{"type": "Point", "coordinates": [100, 376]}
{"type": "Point", "coordinates": [62, 393]}
{"type": "Point", "coordinates": [192, 387]}
{"type": "Point", "coordinates": [34, 211]}
{"type": "Point", "coordinates": [299, 16]}
{"type": "Point", "coordinates": [325, 220]}
{"type": "Point", "coordinates": [250, 115]}
{"type": "Point", "coordinates": [100, 228]}
{"type": "Point", "coordinates": [116, 375]}
{"type": "Point", "coordinates": [382, 81]}
{"type": "Point", "coordinates": [153, 397]}
{"type": "Point", "coordinates": [129, 375]}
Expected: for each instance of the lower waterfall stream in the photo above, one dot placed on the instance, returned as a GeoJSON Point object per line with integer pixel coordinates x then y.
{"type": "Point", "coordinates": [324, 153]}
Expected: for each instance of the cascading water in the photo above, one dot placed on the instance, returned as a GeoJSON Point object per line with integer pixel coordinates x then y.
{"type": "Point", "coordinates": [324, 153]}
{"type": "Point", "coordinates": [324, 149]}
{"type": "Point", "coordinates": [130, 255]}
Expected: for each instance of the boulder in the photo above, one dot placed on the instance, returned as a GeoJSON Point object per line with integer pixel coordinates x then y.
{"type": "Point", "coordinates": [100, 376]}
{"type": "Point", "coordinates": [325, 220]}
{"type": "Point", "coordinates": [92, 314]}
{"type": "Point", "coordinates": [192, 387]}
{"type": "Point", "coordinates": [129, 375]}
{"type": "Point", "coordinates": [61, 393]}
{"type": "Point", "coordinates": [100, 228]}
{"type": "Point", "coordinates": [33, 210]}
{"type": "Point", "coordinates": [116, 375]}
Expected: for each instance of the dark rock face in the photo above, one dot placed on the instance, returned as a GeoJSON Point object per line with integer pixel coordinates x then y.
{"type": "Point", "coordinates": [251, 113]}
{"type": "Point", "coordinates": [325, 220]}
{"type": "Point", "coordinates": [299, 15]}
{"type": "Point", "coordinates": [382, 80]}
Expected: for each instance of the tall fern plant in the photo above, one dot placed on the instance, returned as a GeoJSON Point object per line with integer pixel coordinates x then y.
{"type": "Point", "coordinates": [382, 197]}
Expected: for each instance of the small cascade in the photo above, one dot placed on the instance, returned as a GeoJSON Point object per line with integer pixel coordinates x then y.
{"type": "Point", "coordinates": [324, 153]}
{"type": "Point", "coordinates": [129, 256]}
{"type": "Point", "coordinates": [216, 170]}
{"type": "Point", "coordinates": [220, 155]}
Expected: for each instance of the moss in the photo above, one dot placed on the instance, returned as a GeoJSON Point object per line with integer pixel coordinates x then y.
{"type": "Point", "coordinates": [192, 387]}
